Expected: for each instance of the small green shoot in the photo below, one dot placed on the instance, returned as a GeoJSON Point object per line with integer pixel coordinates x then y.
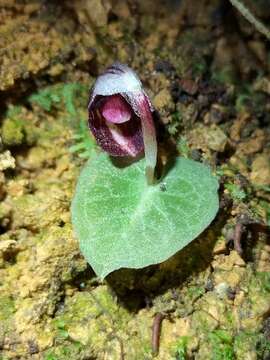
{"type": "Point", "coordinates": [59, 96]}
{"type": "Point", "coordinates": [221, 343]}
{"type": "Point", "coordinates": [183, 148]}
{"type": "Point", "coordinates": [181, 348]}
{"type": "Point", "coordinates": [85, 144]}
{"type": "Point", "coordinates": [236, 192]}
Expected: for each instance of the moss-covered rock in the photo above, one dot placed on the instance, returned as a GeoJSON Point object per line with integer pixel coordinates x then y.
{"type": "Point", "coordinates": [216, 304]}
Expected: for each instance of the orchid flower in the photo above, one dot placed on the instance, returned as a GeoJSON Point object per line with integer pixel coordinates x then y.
{"type": "Point", "coordinates": [120, 116]}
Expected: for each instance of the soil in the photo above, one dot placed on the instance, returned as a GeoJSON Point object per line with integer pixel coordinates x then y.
{"type": "Point", "coordinates": [207, 71]}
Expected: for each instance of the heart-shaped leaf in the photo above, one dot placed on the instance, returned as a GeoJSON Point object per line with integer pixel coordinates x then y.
{"type": "Point", "coordinates": [121, 221]}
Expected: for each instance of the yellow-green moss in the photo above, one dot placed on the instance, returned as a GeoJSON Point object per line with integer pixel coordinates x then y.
{"type": "Point", "coordinates": [12, 131]}
{"type": "Point", "coordinates": [7, 307]}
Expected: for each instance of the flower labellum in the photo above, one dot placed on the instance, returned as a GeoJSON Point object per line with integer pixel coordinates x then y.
{"type": "Point", "coordinates": [120, 116]}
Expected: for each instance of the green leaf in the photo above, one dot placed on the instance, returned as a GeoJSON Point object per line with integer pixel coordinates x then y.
{"type": "Point", "coordinates": [121, 221]}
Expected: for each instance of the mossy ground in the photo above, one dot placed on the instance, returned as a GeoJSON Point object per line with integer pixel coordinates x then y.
{"type": "Point", "coordinates": [212, 107]}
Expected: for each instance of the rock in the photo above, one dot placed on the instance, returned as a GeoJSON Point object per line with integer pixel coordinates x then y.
{"type": "Point", "coordinates": [201, 319]}
{"type": "Point", "coordinates": [239, 162]}
{"type": "Point", "coordinates": [8, 249]}
{"type": "Point", "coordinates": [18, 187]}
{"type": "Point", "coordinates": [222, 290]}
{"type": "Point", "coordinates": [216, 115]}
{"type": "Point", "coordinates": [251, 317]}
{"type": "Point", "coordinates": [238, 125]}
{"type": "Point", "coordinates": [54, 304]}
{"type": "Point", "coordinates": [162, 99]}
{"type": "Point", "coordinates": [231, 278]}
{"type": "Point", "coordinates": [260, 170]}
{"type": "Point", "coordinates": [189, 86]}
{"type": "Point", "coordinates": [92, 11]}
{"type": "Point", "coordinates": [121, 9]}
{"type": "Point", "coordinates": [26, 52]}
{"type": "Point", "coordinates": [262, 84]}
{"type": "Point", "coordinates": [254, 144]}
{"type": "Point", "coordinates": [227, 262]}
{"type": "Point", "coordinates": [215, 307]}
{"type": "Point", "coordinates": [216, 139]}
{"type": "Point", "coordinates": [220, 246]}
{"type": "Point", "coordinates": [172, 331]}
{"type": "Point", "coordinates": [12, 132]}
{"type": "Point", "coordinates": [209, 137]}
{"type": "Point", "coordinates": [6, 245]}
{"type": "Point", "coordinates": [7, 161]}
{"type": "Point", "coordinates": [239, 298]}
{"type": "Point", "coordinates": [263, 264]}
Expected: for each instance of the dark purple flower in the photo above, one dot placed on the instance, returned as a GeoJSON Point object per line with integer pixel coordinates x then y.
{"type": "Point", "coordinates": [120, 116]}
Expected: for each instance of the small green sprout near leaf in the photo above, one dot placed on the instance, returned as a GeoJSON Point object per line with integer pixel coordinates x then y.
{"type": "Point", "coordinates": [235, 192]}
{"type": "Point", "coordinates": [175, 123]}
{"type": "Point", "coordinates": [84, 144]}
{"type": "Point", "coordinates": [183, 148]}
{"type": "Point", "coordinates": [122, 216]}
{"type": "Point", "coordinates": [54, 96]}
{"type": "Point", "coordinates": [181, 348]}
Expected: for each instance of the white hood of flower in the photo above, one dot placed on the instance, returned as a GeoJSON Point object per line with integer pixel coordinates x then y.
{"type": "Point", "coordinates": [123, 81]}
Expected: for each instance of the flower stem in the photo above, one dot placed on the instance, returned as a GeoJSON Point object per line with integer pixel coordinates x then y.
{"type": "Point", "coordinates": [149, 139]}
